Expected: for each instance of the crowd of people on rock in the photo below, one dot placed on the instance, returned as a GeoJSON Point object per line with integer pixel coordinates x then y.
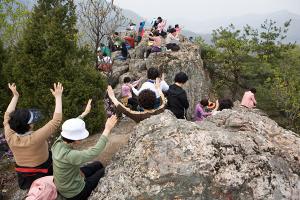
{"type": "Point", "coordinates": [71, 179]}
{"type": "Point", "coordinates": [133, 37]}
{"type": "Point", "coordinates": [138, 101]}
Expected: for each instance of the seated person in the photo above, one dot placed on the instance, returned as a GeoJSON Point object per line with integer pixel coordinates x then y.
{"type": "Point", "coordinates": [146, 100]}
{"type": "Point", "coordinates": [104, 63]}
{"type": "Point", "coordinates": [130, 41]}
{"type": "Point", "coordinates": [200, 114]}
{"type": "Point", "coordinates": [156, 46]}
{"type": "Point", "coordinates": [29, 146]}
{"type": "Point", "coordinates": [72, 181]}
{"type": "Point", "coordinates": [104, 49]}
{"type": "Point", "coordinates": [172, 40]}
{"type": "Point", "coordinates": [248, 100]}
{"type": "Point", "coordinates": [117, 42]}
{"type": "Point", "coordinates": [222, 105]}
{"type": "Point", "coordinates": [178, 29]}
{"type": "Point", "coordinates": [160, 28]}
{"type": "Point", "coordinates": [177, 98]}
{"type": "Point", "coordinates": [152, 75]}
{"type": "Point", "coordinates": [156, 22]}
{"type": "Point", "coordinates": [124, 53]}
{"type": "Point", "coordinates": [126, 93]}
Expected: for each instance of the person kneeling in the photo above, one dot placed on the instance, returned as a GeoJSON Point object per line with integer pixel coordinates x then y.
{"type": "Point", "coordinates": [73, 181]}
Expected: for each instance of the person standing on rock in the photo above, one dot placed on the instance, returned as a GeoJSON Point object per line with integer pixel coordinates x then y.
{"type": "Point", "coordinates": [177, 98]}
{"type": "Point", "coordinates": [73, 181]}
{"type": "Point", "coordinates": [29, 146]}
{"type": "Point", "coordinates": [152, 75]}
{"type": "Point", "coordinates": [248, 100]}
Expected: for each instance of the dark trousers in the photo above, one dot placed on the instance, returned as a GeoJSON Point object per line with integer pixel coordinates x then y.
{"type": "Point", "coordinates": [92, 172]}
{"type": "Point", "coordinates": [173, 47]}
{"type": "Point", "coordinates": [25, 178]}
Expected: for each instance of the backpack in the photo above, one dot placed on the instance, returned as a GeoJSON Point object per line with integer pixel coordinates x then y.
{"type": "Point", "coordinates": [42, 189]}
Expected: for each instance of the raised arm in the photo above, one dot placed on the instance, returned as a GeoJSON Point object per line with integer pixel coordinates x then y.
{"type": "Point", "coordinates": [13, 103]}
{"type": "Point", "coordinates": [51, 127]}
{"type": "Point", "coordinates": [87, 110]}
{"type": "Point", "coordinates": [112, 96]}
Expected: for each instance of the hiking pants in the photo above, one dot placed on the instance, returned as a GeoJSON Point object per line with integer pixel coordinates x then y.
{"type": "Point", "coordinates": [92, 172]}
{"type": "Point", "coordinates": [173, 47]}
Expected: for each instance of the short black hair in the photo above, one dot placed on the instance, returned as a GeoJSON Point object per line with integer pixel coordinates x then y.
{"type": "Point", "coordinates": [67, 140]}
{"type": "Point", "coordinates": [19, 121]}
{"type": "Point", "coordinates": [102, 45]}
{"type": "Point", "coordinates": [116, 33]}
{"type": "Point", "coordinates": [204, 102]}
{"type": "Point", "coordinates": [147, 99]}
{"type": "Point", "coordinates": [253, 90]}
{"type": "Point", "coordinates": [181, 77]}
{"type": "Point", "coordinates": [176, 26]}
{"type": "Point", "coordinates": [172, 30]}
{"type": "Point", "coordinates": [156, 33]}
{"type": "Point", "coordinates": [225, 104]}
{"type": "Point", "coordinates": [159, 18]}
{"type": "Point", "coordinates": [153, 73]}
{"type": "Point", "coordinates": [127, 79]}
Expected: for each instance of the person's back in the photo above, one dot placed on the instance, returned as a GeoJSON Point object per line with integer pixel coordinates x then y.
{"type": "Point", "coordinates": [248, 100]}
{"type": "Point", "coordinates": [177, 97]}
{"type": "Point", "coordinates": [72, 180]}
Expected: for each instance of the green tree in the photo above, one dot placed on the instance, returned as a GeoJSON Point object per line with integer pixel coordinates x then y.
{"type": "Point", "coordinates": [48, 53]}
{"type": "Point", "coordinates": [13, 16]}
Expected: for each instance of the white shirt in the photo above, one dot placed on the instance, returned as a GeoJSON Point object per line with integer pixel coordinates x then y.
{"type": "Point", "coordinates": [151, 86]}
{"type": "Point", "coordinates": [171, 39]}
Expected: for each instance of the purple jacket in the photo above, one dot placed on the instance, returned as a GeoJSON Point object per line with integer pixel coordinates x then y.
{"type": "Point", "coordinates": [200, 114]}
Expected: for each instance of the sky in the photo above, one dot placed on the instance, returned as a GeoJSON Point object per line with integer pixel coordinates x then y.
{"type": "Point", "coordinates": [206, 9]}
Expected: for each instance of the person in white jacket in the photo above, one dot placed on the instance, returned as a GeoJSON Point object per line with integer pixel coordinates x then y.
{"type": "Point", "coordinates": [172, 40]}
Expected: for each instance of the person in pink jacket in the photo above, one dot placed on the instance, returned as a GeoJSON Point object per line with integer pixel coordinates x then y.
{"type": "Point", "coordinates": [248, 100]}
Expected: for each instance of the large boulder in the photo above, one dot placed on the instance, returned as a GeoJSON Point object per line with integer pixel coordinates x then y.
{"type": "Point", "coordinates": [237, 154]}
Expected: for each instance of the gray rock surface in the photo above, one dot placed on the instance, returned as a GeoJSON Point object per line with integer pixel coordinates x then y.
{"type": "Point", "coordinates": [236, 154]}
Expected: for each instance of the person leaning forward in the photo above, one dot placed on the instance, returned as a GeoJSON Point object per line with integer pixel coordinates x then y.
{"type": "Point", "coordinates": [73, 181]}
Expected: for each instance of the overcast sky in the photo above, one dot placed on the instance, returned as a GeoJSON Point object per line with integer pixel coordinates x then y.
{"type": "Point", "coordinates": [206, 9]}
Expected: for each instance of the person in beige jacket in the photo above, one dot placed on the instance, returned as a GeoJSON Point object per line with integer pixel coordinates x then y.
{"type": "Point", "coordinates": [29, 146]}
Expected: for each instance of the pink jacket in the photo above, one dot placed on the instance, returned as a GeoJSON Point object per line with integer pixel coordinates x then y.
{"type": "Point", "coordinates": [248, 100]}
{"type": "Point", "coordinates": [161, 26]}
{"type": "Point", "coordinates": [126, 91]}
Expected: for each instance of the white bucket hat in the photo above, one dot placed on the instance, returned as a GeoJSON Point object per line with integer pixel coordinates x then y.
{"type": "Point", "coordinates": [74, 129]}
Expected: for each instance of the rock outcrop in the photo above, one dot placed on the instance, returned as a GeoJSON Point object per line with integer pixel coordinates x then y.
{"type": "Point", "coordinates": [188, 60]}
{"type": "Point", "coordinates": [236, 154]}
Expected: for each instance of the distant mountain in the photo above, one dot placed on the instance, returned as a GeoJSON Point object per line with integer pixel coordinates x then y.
{"type": "Point", "coordinates": [254, 20]}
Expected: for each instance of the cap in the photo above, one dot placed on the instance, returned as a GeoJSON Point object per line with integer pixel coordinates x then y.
{"type": "Point", "coordinates": [74, 129]}
{"type": "Point", "coordinates": [35, 116]}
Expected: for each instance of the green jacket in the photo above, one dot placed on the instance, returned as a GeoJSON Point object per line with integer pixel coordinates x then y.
{"type": "Point", "coordinates": [67, 163]}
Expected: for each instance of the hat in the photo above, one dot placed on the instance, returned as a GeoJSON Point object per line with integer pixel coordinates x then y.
{"type": "Point", "coordinates": [35, 116]}
{"type": "Point", "coordinates": [74, 129]}
{"type": "Point", "coordinates": [211, 105]}
{"type": "Point", "coordinates": [98, 49]}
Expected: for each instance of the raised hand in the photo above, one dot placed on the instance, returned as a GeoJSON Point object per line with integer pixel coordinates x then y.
{"type": "Point", "coordinates": [111, 122]}
{"type": "Point", "coordinates": [13, 89]}
{"type": "Point", "coordinates": [58, 90]}
{"type": "Point", "coordinates": [87, 108]}
{"type": "Point", "coordinates": [157, 83]}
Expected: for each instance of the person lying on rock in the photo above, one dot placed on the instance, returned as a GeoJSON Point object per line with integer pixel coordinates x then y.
{"type": "Point", "coordinates": [172, 40]}
{"type": "Point", "coordinates": [152, 74]}
{"type": "Point", "coordinates": [29, 146]}
{"type": "Point", "coordinates": [146, 100]}
{"type": "Point", "coordinates": [248, 100]}
{"type": "Point", "coordinates": [177, 98]}
{"type": "Point", "coordinates": [73, 181]}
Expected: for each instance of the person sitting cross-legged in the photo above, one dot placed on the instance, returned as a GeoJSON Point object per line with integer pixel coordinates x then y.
{"type": "Point", "coordinates": [146, 100]}
{"type": "Point", "coordinates": [172, 40]}
{"type": "Point", "coordinates": [73, 181]}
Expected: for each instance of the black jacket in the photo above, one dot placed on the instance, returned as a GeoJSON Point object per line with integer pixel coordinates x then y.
{"type": "Point", "coordinates": [177, 101]}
